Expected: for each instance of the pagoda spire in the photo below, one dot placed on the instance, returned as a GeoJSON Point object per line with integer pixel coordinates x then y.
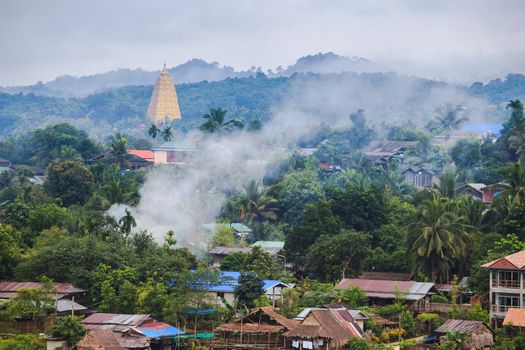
{"type": "Point", "coordinates": [163, 105]}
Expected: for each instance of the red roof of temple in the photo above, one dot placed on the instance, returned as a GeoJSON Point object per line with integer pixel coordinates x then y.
{"type": "Point", "coordinates": [144, 154]}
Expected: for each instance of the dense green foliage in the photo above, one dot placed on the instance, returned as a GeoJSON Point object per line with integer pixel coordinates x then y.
{"type": "Point", "coordinates": [335, 222]}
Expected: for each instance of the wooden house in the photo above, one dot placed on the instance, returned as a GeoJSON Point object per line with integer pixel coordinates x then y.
{"type": "Point", "coordinates": [261, 329]}
{"type": "Point", "coordinates": [419, 177]}
{"type": "Point", "coordinates": [324, 329]}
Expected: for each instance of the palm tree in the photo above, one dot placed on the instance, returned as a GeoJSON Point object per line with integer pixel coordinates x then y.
{"type": "Point", "coordinates": [115, 192]}
{"type": "Point", "coordinates": [46, 142]}
{"type": "Point", "coordinates": [153, 131]}
{"type": "Point", "coordinates": [517, 141]}
{"type": "Point", "coordinates": [354, 177]}
{"type": "Point", "coordinates": [447, 184]}
{"type": "Point", "coordinates": [516, 116]}
{"type": "Point", "coordinates": [215, 121]}
{"type": "Point", "coordinates": [118, 145]}
{"type": "Point", "coordinates": [167, 134]}
{"type": "Point", "coordinates": [256, 204]}
{"type": "Point", "coordinates": [437, 237]}
{"type": "Point", "coordinates": [449, 119]}
{"type": "Point", "coordinates": [455, 340]}
{"type": "Point", "coordinates": [513, 186]}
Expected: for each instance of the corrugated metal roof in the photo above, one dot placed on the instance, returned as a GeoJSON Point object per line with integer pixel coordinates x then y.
{"type": "Point", "coordinates": [269, 244]}
{"type": "Point", "coordinates": [494, 129]}
{"type": "Point", "coordinates": [157, 329]}
{"type": "Point", "coordinates": [228, 281]}
{"type": "Point", "coordinates": [237, 227]}
{"type": "Point", "coordinates": [115, 319]}
{"type": "Point", "coordinates": [420, 289]}
{"type": "Point", "coordinates": [182, 145]}
{"type": "Point", "coordinates": [462, 326]}
{"type": "Point", "coordinates": [64, 305]}
{"type": "Point", "coordinates": [386, 289]}
{"type": "Point", "coordinates": [10, 289]}
{"type": "Point", "coordinates": [228, 250]}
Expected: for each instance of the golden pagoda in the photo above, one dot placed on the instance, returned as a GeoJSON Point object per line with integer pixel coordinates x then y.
{"type": "Point", "coordinates": [164, 105]}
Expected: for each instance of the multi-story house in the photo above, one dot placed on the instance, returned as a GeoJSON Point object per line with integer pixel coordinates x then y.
{"type": "Point", "coordinates": [507, 285]}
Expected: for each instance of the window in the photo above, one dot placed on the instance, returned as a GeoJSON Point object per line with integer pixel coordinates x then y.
{"type": "Point", "coordinates": [220, 295]}
{"type": "Point", "coordinates": [509, 279]}
{"type": "Point", "coordinates": [507, 301]}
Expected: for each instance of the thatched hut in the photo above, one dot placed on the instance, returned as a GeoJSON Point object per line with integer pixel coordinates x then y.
{"type": "Point", "coordinates": [99, 339]}
{"type": "Point", "coordinates": [480, 336]}
{"type": "Point", "coordinates": [261, 329]}
{"type": "Point", "coordinates": [324, 329]}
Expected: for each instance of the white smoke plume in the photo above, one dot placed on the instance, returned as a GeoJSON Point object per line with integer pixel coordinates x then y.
{"type": "Point", "coordinates": [183, 198]}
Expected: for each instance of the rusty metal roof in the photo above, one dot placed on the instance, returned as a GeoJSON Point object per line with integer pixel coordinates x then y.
{"type": "Point", "coordinates": [462, 326]}
{"type": "Point", "coordinates": [387, 289]}
{"type": "Point", "coordinates": [10, 289]}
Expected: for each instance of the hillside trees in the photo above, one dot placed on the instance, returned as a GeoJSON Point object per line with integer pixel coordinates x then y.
{"type": "Point", "coordinates": [71, 181]}
{"type": "Point", "coordinates": [333, 257]}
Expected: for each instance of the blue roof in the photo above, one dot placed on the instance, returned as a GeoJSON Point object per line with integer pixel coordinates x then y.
{"type": "Point", "coordinates": [237, 227]}
{"type": "Point", "coordinates": [229, 281]}
{"type": "Point", "coordinates": [169, 331]}
{"type": "Point", "coordinates": [493, 129]}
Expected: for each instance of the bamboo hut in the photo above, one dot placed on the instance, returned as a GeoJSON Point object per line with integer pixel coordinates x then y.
{"type": "Point", "coordinates": [261, 329]}
{"type": "Point", "coordinates": [99, 339]}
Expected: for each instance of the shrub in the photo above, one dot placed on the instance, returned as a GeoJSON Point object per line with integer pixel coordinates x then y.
{"type": "Point", "coordinates": [439, 299]}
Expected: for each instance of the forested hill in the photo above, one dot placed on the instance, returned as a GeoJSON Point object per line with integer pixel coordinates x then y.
{"type": "Point", "coordinates": [192, 71]}
{"type": "Point", "coordinates": [246, 98]}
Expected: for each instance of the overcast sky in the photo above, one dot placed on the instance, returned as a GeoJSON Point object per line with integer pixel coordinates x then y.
{"type": "Point", "coordinates": [455, 40]}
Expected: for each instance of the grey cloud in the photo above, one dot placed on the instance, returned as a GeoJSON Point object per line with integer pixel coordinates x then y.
{"type": "Point", "coordinates": [455, 40]}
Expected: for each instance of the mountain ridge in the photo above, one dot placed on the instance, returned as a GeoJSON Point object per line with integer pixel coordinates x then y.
{"type": "Point", "coordinates": [192, 71]}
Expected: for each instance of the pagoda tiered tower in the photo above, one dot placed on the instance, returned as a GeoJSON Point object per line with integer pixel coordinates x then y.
{"type": "Point", "coordinates": [164, 105]}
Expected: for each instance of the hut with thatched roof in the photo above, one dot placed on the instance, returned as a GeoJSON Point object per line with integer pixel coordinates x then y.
{"type": "Point", "coordinates": [324, 329]}
{"type": "Point", "coordinates": [479, 335]}
{"type": "Point", "coordinates": [261, 329]}
{"type": "Point", "coordinates": [99, 339]}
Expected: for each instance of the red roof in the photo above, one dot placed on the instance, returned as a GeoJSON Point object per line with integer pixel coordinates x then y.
{"type": "Point", "coordinates": [144, 154]}
{"type": "Point", "coordinates": [514, 261]}
{"type": "Point", "coordinates": [515, 317]}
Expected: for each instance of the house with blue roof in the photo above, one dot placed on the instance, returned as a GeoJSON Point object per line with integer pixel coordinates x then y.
{"type": "Point", "coordinates": [224, 289]}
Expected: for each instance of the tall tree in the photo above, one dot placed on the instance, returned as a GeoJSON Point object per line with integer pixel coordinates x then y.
{"type": "Point", "coordinates": [333, 257]}
{"type": "Point", "coordinates": [167, 134]}
{"type": "Point", "coordinates": [449, 118]}
{"type": "Point", "coordinates": [249, 288]}
{"type": "Point", "coordinates": [361, 133]}
{"type": "Point", "coordinates": [257, 204]}
{"type": "Point", "coordinates": [215, 121]}
{"type": "Point", "coordinates": [70, 181]}
{"type": "Point", "coordinates": [118, 145]}
{"type": "Point", "coordinates": [514, 185]}
{"type": "Point", "coordinates": [438, 237]}
{"type": "Point", "coordinates": [517, 141]}
{"type": "Point", "coordinates": [516, 116]}
{"type": "Point", "coordinates": [153, 131]}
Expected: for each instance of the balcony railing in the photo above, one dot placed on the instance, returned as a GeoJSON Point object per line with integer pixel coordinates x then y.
{"type": "Point", "coordinates": [503, 308]}
{"type": "Point", "coordinates": [505, 284]}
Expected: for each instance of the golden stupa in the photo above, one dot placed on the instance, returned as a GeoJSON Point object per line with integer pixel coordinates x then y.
{"type": "Point", "coordinates": [164, 105]}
